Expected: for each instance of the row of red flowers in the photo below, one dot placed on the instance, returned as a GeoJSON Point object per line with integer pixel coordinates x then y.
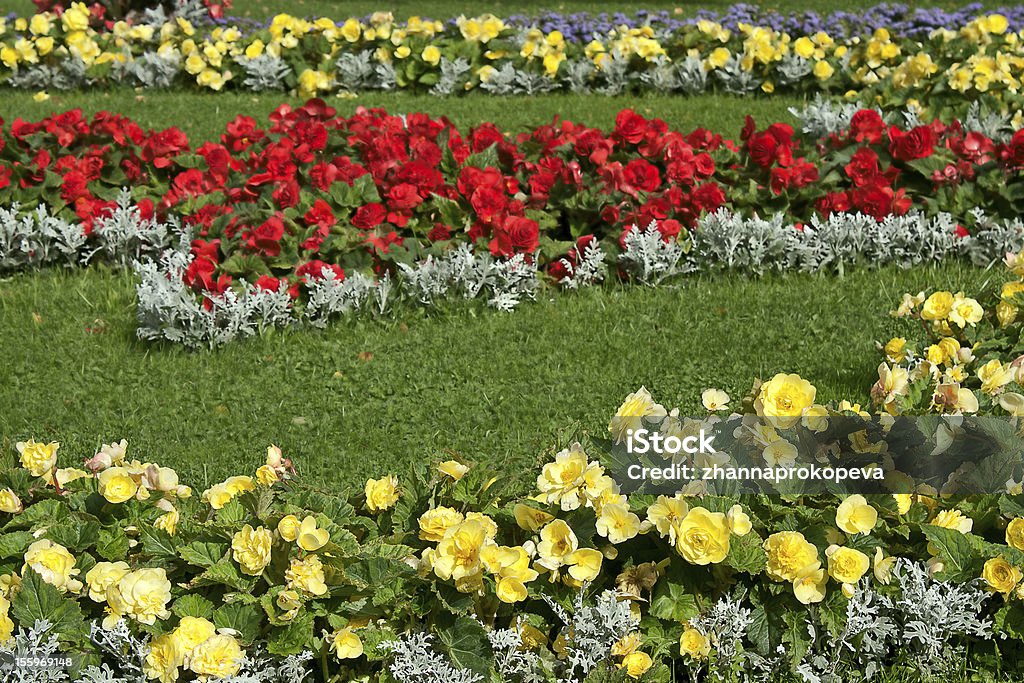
{"type": "Point", "coordinates": [373, 189]}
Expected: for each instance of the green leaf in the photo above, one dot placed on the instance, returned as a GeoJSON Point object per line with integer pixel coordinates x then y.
{"type": "Point", "coordinates": [225, 572]}
{"type": "Point", "coordinates": [243, 618]}
{"type": "Point", "coordinates": [111, 543]}
{"type": "Point", "coordinates": [672, 602]}
{"type": "Point", "coordinates": [38, 600]}
{"type": "Point", "coordinates": [38, 514]}
{"type": "Point", "coordinates": [956, 551]}
{"type": "Point", "coordinates": [157, 543]}
{"type": "Point", "coordinates": [746, 554]}
{"type": "Point", "coordinates": [465, 642]}
{"type": "Point", "coordinates": [203, 553]}
{"type": "Point", "coordinates": [15, 543]}
{"type": "Point", "coordinates": [192, 605]}
{"type": "Point", "coordinates": [292, 638]}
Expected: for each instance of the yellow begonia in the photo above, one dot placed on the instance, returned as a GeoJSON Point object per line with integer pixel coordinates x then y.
{"type": "Point", "coordinates": [142, 595]}
{"type": "Point", "coordinates": [855, 516]}
{"type": "Point", "coordinates": [39, 459]}
{"type": "Point", "coordinates": [102, 576]}
{"type": "Point", "coordinates": [310, 537]}
{"type": "Point", "coordinates": [54, 564]}
{"type": "Point", "coordinates": [630, 414]}
{"type": "Point", "coordinates": [346, 644]}
{"type": "Point", "coordinates": [702, 537]}
{"type": "Point", "coordinates": [219, 656]}
{"type": "Point", "coordinates": [694, 644]}
{"type": "Point", "coordinates": [250, 548]}
{"type": "Point", "coordinates": [784, 398]}
{"type": "Point", "coordinates": [306, 575]}
{"type": "Point", "coordinates": [434, 523]}
{"type": "Point", "coordinates": [164, 657]}
{"type": "Point", "coordinates": [1000, 576]}
{"type": "Point", "coordinates": [381, 494]}
{"type": "Point", "coordinates": [10, 502]}
{"type": "Point", "coordinates": [790, 556]}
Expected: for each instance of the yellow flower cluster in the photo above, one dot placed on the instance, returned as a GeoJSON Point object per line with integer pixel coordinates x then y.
{"type": "Point", "coordinates": [196, 646]}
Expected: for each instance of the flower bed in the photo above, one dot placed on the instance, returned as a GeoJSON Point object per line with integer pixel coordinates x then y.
{"type": "Point", "coordinates": [965, 61]}
{"type": "Point", "coordinates": [322, 214]}
{"type": "Point", "coordinates": [453, 572]}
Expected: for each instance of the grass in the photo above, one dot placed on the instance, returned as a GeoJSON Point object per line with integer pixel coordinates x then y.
{"type": "Point", "coordinates": [367, 396]}
{"type": "Point", "coordinates": [448, 8]}
{"type": "Point", "coordinates": [203, 115]}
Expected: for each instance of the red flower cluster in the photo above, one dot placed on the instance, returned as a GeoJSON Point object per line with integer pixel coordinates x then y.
{"type": "Point", "coordinates": [316, 190]}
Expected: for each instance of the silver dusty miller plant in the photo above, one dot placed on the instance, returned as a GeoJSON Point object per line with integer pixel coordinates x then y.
{"type": "Point", "coordinates": [924, 623]}
{"type": "Point", "coordinates": [591, 631]}
{"type": "Point", "coordinates": [414, 660]}
{"type": "Point", "coordinates": [37, 642]}
{"type": "Point", "coordinates": [650, 259]}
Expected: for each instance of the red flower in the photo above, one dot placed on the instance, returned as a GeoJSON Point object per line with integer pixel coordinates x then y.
{"type": "Point", "coordinates": [314, 270]}
{"type": "Point", "coordinates": [320, 216]}
{"type": "Point", "coordinates": [404, 196]}
{"type": "Point", "coordinates": [863, 167]}
{"type": "Point", "coordinates": [630, 126]}
{"type": "Point", "coordinates": [516, 235]}
{"type": "Point", "coordinates": [642, 175]}
{"type": "Point", "coordinates": [265, 238]}
{"type": "Point", "coordinates": [369, 216]}
{"type": "Point", "coordinates": [918, 143]}
{"type": "Point", "coordinates": [867, 125]}
{"type": "Point", "coordinates": [159, 148]}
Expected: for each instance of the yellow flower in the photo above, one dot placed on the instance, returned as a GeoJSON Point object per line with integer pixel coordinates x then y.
{"type": "Point", "coordinates": [76, 17]}
{"type": "Point", "coordinates": [9, 502]}
{"type": "Point", "coordinates": [102, 576]}
{"type": "Point", "coordinates": [351, 30]}
{"type": "Point", "coordinates": [694, 644]}
{"type": "Point", "coordinates": [703, 537]}
{"type": "Point", "coordinates": [382, 493]}
{"type": "Point", "coordinates": [563, 481]}
{"type": "Point", "coordinates": [739, 521]}
{"type": "Point", "coordinates": [40, 25]}
{"type": "Point", "coordinates": [809, 587]}
{"type": "Point", "coordinates": [719, 57]}
{"type": "Point", "coordinates": [39, 459]}
{"type": "Point", "coordinates": [666, 514]}
{"type": "Point", "coordinates": [715, 400]}
{"type": "Point", "coordinates": [310, 537]}
{"type": "Point", "coordinates": [953, 519]}
{"type": "Point", "coordinates": [784, 396]}
{"type": "Point", "coordinates": [1000, 575]}
{"type": "Point", "coordinates": [511, 590]}
{"type": "Point", "coordinates": [790, 556]}
{"type": "Point", "coordinates": [453, 468]}
{"type": "Point", "coordinates": [251, 549]}
{"type": "Point", "coordinates": [823, 70]}
{"type": "Point", "coordinates": [431, 55]}
{"type": "Point", "coordinates": [630, 414]}
{"type": "Point", "coordinates": [937, 306]}
{"type": "Point", "coordinates": [54, 564]}
{"type": "Point", "coordinates": [289, 527]}
{"type": "Point", "coordinates": [307, 575]}
{"type": "Point", "coordinates": [896, 350]}
{"type": "Point", "coordinates": [116, 485]}
{"type": "Point", "coordinates": [219, 656]}
{"type": "Point", "coordinates": [584, 564]}
{"type": "Point", "coordinates": [855, 516]}
{"type": "Point", "coordinates": [1015, 533]}
{"type": "Point", "coordinates": [847, 565]}
{"type": "Point", "coordinates": [458, 554]}
{"type": "Point", "coordinates": [266, 475]}
{"type": "Point", "coordinates": [636, 664]}
{"type": "Point", "coordinates": [192, 631]}
{"type": "Point", "coordinates": [557, 542]}
{"type": "Point", "coordinates": [6, 624]}
{"type": "Point", "coordinates": [142, 595]}
{"type": "Point", "coordinates": [530, 519]}
{"type": "Point", "coordinates": [436, 521]}
{"type": "Point", "coordinates": [903, 502]}
{"type": "Point", "coordinates": [882, 566]}
{"type": "Point", "coordinates": [346, 644]}
{"type": "Point", "coordinates": [163, 658]}
{"type": "Point", "coordinates": [617, 523]}
{"type": "Point", "coordinates": [41, 96]}
{"type": "Point", "coordinates": [964, 311]}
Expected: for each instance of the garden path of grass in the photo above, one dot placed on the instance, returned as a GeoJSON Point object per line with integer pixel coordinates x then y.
{"type": "Point", "coordinates": [364, 397]}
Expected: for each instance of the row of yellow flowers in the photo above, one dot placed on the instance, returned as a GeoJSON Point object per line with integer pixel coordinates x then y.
{"type": "Point", "coordinates": [981, 59]}
{"type": "Point", "coordinates": [290, 565]}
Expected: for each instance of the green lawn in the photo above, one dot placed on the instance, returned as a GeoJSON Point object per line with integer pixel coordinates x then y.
{"type": "Point", "coordinates": [364, 396]}
{"type": "Point", "coordinates": [203, 115]}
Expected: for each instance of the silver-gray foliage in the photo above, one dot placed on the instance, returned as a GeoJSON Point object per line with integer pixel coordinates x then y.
{"type": "Point", "coordinates": [452, 78]}
{"type": "Point", "coordinates": [39, 642]}
{"type": "Point", "coordinates": [591, 631]}
{"type": "Point", "coordinates": [414, 660]}
{"type": "Point", "coordinates": [650, 259]}
{"type": "Point", "coordinates": [264, 72]}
